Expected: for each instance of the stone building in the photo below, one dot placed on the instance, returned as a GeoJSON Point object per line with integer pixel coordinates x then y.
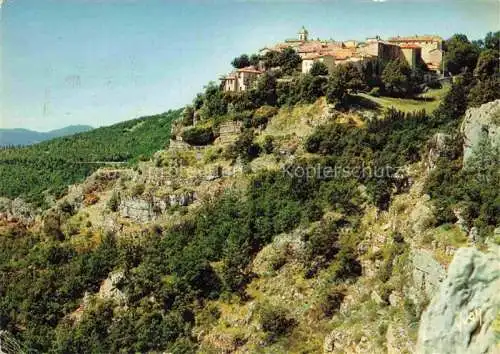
{"type": "Point", "coordinates": [412, 54]}
{"type": "Point", "coordinates": [303, 37]}
{"type": "Point", "coordinates": [376, 47]}
{"type": "Point", "coordinates": [431, 48]}
{"type": "Point", "coordinates": [240, 79]}
{"type": "Point", "coordinates": [386, 51]}
{"type": "Point", "coordinates": [295, 43]}
{"type": "Point", "coordinates": [303, 34]}
{"type": "Point", "coordinates": [435, 60]}
{"type": "Point", "coordinates": [351, 43]}
{"type": "Point", "coordinates": [310, 59]}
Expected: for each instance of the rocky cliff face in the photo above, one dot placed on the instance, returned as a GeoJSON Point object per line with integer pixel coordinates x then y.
{"type": "Point", "coordinates": [16, 210]}
{"type": "Point", "coordinates": [460, 317]}
{"type": "Point", "coordinates": [436, 148]}
{"type": "Point", "coordinates": [479, 122]}
{"type": "Point", "coordinates": [427, 273]}
{"type": "Point", "coordinates": [144, 210]}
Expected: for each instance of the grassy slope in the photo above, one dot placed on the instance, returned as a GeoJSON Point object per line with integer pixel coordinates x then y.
{"type": "Point", "coordinates": [55, 164]}
{"type": "Point", "coordinates": [428, 101]}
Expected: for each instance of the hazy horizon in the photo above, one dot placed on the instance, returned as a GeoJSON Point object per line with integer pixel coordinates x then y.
{"type": "Point", "coordinates": [97, 63]}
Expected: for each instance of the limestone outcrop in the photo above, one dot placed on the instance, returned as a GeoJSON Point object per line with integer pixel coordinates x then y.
{"type": "Point", "coordinates": [460, 317]}
{"type": "Point", "coordinates": [428, 273]}
{"type": "Point", "coordinates": [479, 122]}
{"type": "Point", "coordinates": [137, 209]}
{"type": "Point", "coordinates": [437, 147]}
{"type": "Point", "coordinates": [422, 215]}
{"type": "Point", "coordinates": [148, 208]}
{"type": "Point", "coordinates": [109, 288]}
{"type": "Point", "coordinates": [16, 210]}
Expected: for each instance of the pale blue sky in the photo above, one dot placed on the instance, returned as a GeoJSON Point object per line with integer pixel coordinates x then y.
{"type": "Point", "coordinates": [98, 62]}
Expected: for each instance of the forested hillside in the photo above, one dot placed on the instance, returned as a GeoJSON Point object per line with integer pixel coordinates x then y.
{"type": "Point", "coordinates": [55, 164]}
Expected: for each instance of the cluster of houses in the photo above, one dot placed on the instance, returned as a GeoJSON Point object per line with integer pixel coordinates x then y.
{"type": "Point", "coordinates": [416, 50]}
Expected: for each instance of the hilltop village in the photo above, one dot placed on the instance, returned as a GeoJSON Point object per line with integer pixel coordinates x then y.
{"type": "Point", "coordinates": [424, 51]}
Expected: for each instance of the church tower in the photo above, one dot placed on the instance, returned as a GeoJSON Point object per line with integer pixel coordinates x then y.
{"type": "Point", "coordinates": [303, 34]}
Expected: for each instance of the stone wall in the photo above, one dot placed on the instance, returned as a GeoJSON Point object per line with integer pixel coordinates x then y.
{"type": "Point", "coordinates": [176, 145]}
{"type": "Point", "coordinates": [229, 131]}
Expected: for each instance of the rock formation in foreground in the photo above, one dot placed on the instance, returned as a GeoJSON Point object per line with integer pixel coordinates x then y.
{"type": "Point", "coordinates": [460, 317]}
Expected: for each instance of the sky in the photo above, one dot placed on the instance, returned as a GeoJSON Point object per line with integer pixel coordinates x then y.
{"type": "Point", "coordinates": [98, 62]}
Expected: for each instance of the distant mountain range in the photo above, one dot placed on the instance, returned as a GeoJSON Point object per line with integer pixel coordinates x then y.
{"type": "Point", "coordinates": [21, 136]}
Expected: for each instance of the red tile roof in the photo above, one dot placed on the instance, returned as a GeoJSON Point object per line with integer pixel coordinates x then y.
{"type": "Point", "coordinates": [249, 69]}
{"type": "Point", "coordinates": [318, 46]}
{"type": "Point", "coordinates": [410, 46]}
{"type": "Point", "coordinates": [316, 55]}
{"type": "Point", "coordinates": [424, 38]}
{"type": "Point", "coordinates": [433, 66]}
{"type": "Point", "coordinates": [328, 50]}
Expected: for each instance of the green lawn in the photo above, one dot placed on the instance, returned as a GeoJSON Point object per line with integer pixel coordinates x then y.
{"type": "Point", "coordinates": [428, 101]}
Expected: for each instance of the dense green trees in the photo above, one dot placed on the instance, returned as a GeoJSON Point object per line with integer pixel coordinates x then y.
{"type": "Point", "coordinates": [454, 104]}
{"type": "Point", "coordinates": [306, 88]}
{"type": "Point", "coordinates": [492, 41]}
{"type": "Point", "coordinates": [318, 68]}
{"type": "Point", "coordinates": [312, 87]}
{"type": "Point", "coordinates": [166, 274]}
{"type": "Point", "coordinates": [337, 88]}
{"type": "Point", "coordinates": [487, 64]}
{"type": "Point", "coordinates": [484, 91]}
{"type": "Point", "coordinates": [287, 59]}
{"type": "Point", "coordinates": [244, 147]}
{"type": "Point", "coordinates": [213, 102]}
{"type": "Point", "coordinates": [188, 115]}
{"type": "Point", "coordinates": [344, 79]}
{"type": "Point", "coordinates": [472, 190]}
{"type": "Point", "coordinates": [397, 78]}
{"type": "Point", "coordinates": [244, 60]}
{"type": "Point", "coordinates": [384, 145]}
{"type": "Point", "coordinates": [461, 54]}
{"type": "Point", "coordinates": [487, 75]}
{"type": "Point", "coordinates": [241, 61]}
{"type": "Point", "coordinates": [265, 91]}
{"type": "Point", "coordinates": [472, 90]}
{"type": "Point", "coordinates": [36, 282]}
